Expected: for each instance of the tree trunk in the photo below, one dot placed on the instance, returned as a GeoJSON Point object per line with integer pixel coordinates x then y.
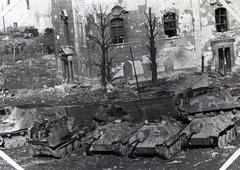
{"type": "Point", "coordinates": [103, 69]}
{"type": "Point", "coordinates": [154, 66]}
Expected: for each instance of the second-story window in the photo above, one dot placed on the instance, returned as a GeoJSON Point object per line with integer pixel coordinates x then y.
{"type": "Point", "coordinates": [170, 24]}
{"type": "Point", "coordinates": [117, 30]}
{"type": "Point", "coordinates": [221, 19]}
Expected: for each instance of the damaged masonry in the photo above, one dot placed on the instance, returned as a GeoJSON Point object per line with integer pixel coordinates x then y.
{"type": "Point", "coordinates": [120, 84]}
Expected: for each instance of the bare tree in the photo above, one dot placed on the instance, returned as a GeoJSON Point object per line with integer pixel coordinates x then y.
{"type": "Point", "coordinates": [152, 33]}
{"type": "Point", "coordinates": [102, 41]}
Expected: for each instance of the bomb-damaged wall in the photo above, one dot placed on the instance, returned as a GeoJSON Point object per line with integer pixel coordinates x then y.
{"type": "Point", "coordinates": [63, 35]}
{"type": "Point", "coordinates": [209, 34]}
{"type": "Point", "coordinates": [180, 48]}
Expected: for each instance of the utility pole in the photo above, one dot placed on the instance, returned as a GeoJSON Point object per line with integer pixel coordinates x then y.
{"type": "Point", "coordinates": [13, 45]}
{"type": "Point", "coordinates": [143, 113]}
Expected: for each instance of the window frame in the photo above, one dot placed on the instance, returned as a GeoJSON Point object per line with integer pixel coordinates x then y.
{"type": "Point", "coordinates": [117, 30]}
{"type": "Point", "coordinates": [170, 25]}
{"type": "Point", "coordinates": [221, 26]}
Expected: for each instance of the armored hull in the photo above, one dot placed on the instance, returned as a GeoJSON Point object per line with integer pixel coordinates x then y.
{"type": "Point", "coordinates": [203, 102]}
{"type": "Point", "coordinates": [212, 131]}
{"type": "Point", "coordinates": [55, 137]}
{"type": "Point", "coordinates": [161, 138]}
{"type": "Point", "coordinates": [112, 137]}
{"type": "Point", "coordinates": [109, 113]}
{"type": "Point", "coordinates": [14, 122]}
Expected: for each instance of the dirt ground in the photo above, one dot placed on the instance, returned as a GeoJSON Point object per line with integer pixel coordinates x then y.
{"type": "Point", "coordinates": [37, 88]}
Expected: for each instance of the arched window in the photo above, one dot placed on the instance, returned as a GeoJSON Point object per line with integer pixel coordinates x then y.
{"type": "Point", "coordinates": [221, 19]}
{"type": "Point", "coordinates": [117, 31]}
{"type": "Point", "coordinates": [170, 24]}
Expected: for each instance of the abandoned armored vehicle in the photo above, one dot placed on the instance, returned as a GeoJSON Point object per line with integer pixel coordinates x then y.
{"type": "Point", "coordinates": [217, 131]}
{"type": "Point", "coordinates": [204, 102]}
{"type": "Point", "coordinates": [109, 113]}
{"type": "Point", "coordinates": [110, 138]}
{"type": "Point", "coordinates": [14, 122]}
{"type": "Point", "coordinates": [162, 138]}
{"type": "Point", "coordinates": [55, 137]}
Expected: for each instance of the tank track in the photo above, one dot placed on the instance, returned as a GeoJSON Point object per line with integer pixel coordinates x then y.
{"type": "Point", "coordinates": [60, 151]}
{"type": "Point", "coordinates": [13, 140]}
{"type": "Point", "coordinates": [226, 137]}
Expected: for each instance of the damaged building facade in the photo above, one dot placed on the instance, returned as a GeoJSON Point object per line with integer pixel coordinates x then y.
{"type": "Point", "coordinates": [190, 32]}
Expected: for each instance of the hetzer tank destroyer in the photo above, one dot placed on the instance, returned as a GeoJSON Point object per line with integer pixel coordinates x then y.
{"type": "Point", "coordinates": [110, 138]}
{"type": "Point", "coordinates": [217, 131]}
{"type": "Point", "coordinates": [161, 138]}
{"type": "Point", "coordinates": [212, 116]}
{"type": "Point", "coordinates": [126, 138]}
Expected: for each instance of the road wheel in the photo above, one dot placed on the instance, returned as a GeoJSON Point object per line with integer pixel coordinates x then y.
{"type": "Point", "coordinates": [69, 148]}
{"type": "Point", "coordinates": [7, 145]}
{"type": "Point", "coordinates": [233, 134]}
{"type": "Point", "coordinates": [221, 141]}
{"type": "Point", "coordinates": [58, 153]}
{"type": "Point", "coordinates": [63, 152]}
{"type": "Point", "coordinates": [179, 144]}
{"type": "Point", "coordinates": [228, 137]}
{"type": "Point", "coordinates": [82, 140]}
{"type": "Point", "coordinates": [14, 144]}
{"type": "Point", "coordinates": [172, 149]}
{"type": "Point", "coordinates": [21, 143]}
{"type": "Point", "coordinates": [76, 144]}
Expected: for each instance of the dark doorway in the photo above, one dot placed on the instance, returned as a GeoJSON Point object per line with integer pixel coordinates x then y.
{"type": "Point", "coordinates": [224, 59]}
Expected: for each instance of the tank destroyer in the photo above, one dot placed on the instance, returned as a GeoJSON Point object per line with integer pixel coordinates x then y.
{"type": "Point", "coordinates": [110, 138]}
{"type": "Point", "coordinates": [217, 131]}
{"type": "Point", "coordinates": [109, 113]}
{"type": "Point", "coordinates": [15, 121]}
{"type": "Point", "coordinates": [56, 137]}
{"type": "Point", "coordinates": [162, 138]}
{"type": "Point", "coordinates": [212, 115]}
{"type": "Point", "coordinates": [202, 102]}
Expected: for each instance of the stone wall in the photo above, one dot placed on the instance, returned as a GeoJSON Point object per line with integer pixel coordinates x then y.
{"type": "Point", "coordinates": [196, 32]}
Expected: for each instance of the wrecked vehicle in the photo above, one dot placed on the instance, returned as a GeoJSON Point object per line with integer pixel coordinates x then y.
{"type": "Point", "coordinates": [212, 114]}
{"type": "Point", "coordinates": [14, 122]}
{"type": "Point", "coordinates": [162, 138]}
{"type": "Point", "coordinates": [201, 102]}
{"type": "Point", "coordinates": [56, 137]}
{"type": "Point", "coordinates": [217, 131]}
{"type": "Point", "coordinates": [112, 137]}
{"type": "Point", "coordinates": [109, 113]}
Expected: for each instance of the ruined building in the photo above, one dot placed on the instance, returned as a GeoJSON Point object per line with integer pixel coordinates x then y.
{"type": "Point", "coordinates": [26, 13]}
{"type": "Point", "coordinates": [190, 32]}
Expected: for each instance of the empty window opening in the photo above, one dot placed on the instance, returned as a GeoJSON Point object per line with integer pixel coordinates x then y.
{"type": "Point", "coordinates": [117, 30]}
{"type": "Point", "coordinates": [170, 24]}
{"type": "Point", "coordinates": [221, 19]}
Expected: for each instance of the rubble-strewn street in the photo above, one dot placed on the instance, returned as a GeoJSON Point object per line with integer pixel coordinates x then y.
{"type": "Point", "coordinates": [120, 84]}
{"type": "Point", "coordinates": [157, 100]}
